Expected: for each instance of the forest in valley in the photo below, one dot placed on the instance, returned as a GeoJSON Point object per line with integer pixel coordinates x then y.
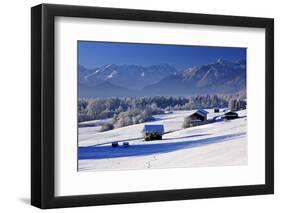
{"type": "Point", "coordinates": [133, 110]}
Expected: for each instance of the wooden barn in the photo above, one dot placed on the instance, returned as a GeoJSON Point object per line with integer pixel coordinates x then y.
{"type": "Point", "coordinates": [230, 115]}
{"type": "Point", "coordinates": [199, 115]}
{"type": "Point", "coordinates": [153, 132]}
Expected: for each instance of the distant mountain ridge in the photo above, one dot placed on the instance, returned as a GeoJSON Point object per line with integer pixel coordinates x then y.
{"type": "Point", "coordinates": [132, 77]}
{"type": "Point", "coordinates": [132, 80]}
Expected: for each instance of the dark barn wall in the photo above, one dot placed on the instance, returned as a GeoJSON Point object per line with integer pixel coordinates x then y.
{"type": "Point", "coordinates": [230, 116]}
{"type": "Point", "coordinates": [196, 116]}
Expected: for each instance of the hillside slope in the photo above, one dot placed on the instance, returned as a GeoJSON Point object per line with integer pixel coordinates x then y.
{"type": "Point", "coordinates": [217, 144]}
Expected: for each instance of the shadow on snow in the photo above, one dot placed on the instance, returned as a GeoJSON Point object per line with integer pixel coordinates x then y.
{"type": "Point", "coordinates": [102, 152]}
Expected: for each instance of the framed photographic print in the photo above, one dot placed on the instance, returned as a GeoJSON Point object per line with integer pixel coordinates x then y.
{"type": "Point", "coordinates": [139, 106]}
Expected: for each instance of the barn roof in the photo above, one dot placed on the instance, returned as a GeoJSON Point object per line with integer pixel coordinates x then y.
{"type": "Point", "coordinates": [202, 112]}
{"type": "Point", "coordinates": [231, 113]}
{"type": "Point", "coordinates": [154, 128]}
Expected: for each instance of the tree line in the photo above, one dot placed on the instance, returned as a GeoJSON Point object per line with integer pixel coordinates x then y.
{"type": "Point", "coordinates": [132, 110]}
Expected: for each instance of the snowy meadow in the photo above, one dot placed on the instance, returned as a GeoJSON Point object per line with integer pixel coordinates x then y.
{"type": "Point", "coordinates": [214, 142]}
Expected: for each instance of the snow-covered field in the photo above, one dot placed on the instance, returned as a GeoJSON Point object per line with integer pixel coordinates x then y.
{"type": "Point", "coordinates": [222, 143]}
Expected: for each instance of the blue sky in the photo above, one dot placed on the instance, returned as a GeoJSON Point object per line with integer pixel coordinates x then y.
{"type": "Point", "coordinates": [94, 54]}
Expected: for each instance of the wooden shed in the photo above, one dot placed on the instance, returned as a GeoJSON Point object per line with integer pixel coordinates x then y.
{"type": "Point", "coordinates": [199, 115]}
{"type": "Point", "coordinates": [230, 115]}
{"type": "Point", "coordinates": [153, 132]}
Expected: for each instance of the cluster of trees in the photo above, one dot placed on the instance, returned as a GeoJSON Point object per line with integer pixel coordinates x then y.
{"type": "Point", "coordinates": [134, 110]}
{"type": "Point", "coordinates": [187, 122]}
{"type": "Point", "coordinates": [132, 116]}
{"type": "Point", "coordinates": [207, 101]}
{"type": "Point", "coordinates": [101, 108]}
{"type": "Point", "coordinates": [237, 101]}
{"type": "Point", "coordinates": [136, 116]}
{"type": "Point", "coordinates": [236, 104]}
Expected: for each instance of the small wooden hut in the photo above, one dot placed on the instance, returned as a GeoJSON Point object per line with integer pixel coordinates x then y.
{"type": "Point", "coordinates": [199, 115]}
{"type": "Point", "coordinates": [230, 115]}
{"type": "Point", "coordinates": [153, 132]}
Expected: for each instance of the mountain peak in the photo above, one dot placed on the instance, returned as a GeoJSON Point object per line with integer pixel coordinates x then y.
{"type": "Point", "coordinates": [219, 60]}
{"type": "Point", "coordinates": [223, 61]}
{"type": "Point", "coordinates": [107, 66]}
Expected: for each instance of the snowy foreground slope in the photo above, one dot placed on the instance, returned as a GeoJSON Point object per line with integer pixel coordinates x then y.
{"type": "Point", "coordinates": [217, 144]}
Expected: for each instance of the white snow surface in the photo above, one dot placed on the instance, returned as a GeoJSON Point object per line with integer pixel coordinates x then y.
{"type": "Point", "coordinates": [221, 143]}
{"type": "Point", "coordinates": [112, 74]}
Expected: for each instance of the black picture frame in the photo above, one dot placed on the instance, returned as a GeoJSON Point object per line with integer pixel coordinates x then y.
{"type": "Point", "coordinates": [43, 111]}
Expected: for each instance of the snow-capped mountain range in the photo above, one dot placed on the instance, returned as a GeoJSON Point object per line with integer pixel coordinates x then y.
{"type": "Point", "coordinates": [133, 80]}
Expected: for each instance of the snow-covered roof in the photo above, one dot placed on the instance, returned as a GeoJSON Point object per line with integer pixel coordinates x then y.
{"type": "Point", "coordinates": [154, 128]}
{"type": "Point", "coordinates": [202, 112]}
{"type": "Point", "coordinates": [231, 113]}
